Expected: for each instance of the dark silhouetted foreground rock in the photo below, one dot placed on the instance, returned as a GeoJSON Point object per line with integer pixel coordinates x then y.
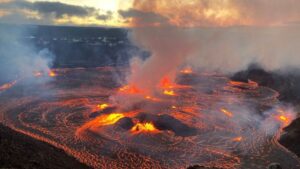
{"type": "Point", "coordinates": [23, 152]}
{"type": "Point", "coordinates": [291, 137]}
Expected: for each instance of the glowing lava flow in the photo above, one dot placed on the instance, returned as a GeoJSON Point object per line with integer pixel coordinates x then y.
{"type": "Point", "coordinates": [237, 139]}
{"type": "Point", "coordinates": [51, 73]}
{"type": "Point", "coordinates": [176, 132]}
{"type": "Point", "coordinates": [226, 112]}
{"type": "Point", "coordinates": [143, 127]}
{"type": "Point", "coordinates": [110, 119]}
{"type": "Point", "coordinates": [187, 70]}
{"type": "Point", "coordinates": [102, 106]}
{"type": "Point", "coordinates": [7, 85]}
{"type": "Point", "coordinates": [169, 92]}
{"type": "Point", "coordinates": [284, 117]}
{"type": "Point", "coordinates": [130, 89]}
{"type": "Point", "coordinates": [168, 86]}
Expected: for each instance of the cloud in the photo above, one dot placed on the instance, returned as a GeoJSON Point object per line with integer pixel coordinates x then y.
{"type": "Point", "coordinates": [199, 13]}
{"type": "Point", "coordinates": [143, 18]}
{"type": "Point", "coordinates": [106, 16]}
{"type": "Point", "coordinates": [60, 9]}
{"type": "Point", "coordinates": [50, 8]}
{"type": "Point", "coordinates": [42, 12]}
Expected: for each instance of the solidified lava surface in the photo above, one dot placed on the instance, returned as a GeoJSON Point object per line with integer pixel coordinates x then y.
{"type": "Point", "coordinates": [213, 122]}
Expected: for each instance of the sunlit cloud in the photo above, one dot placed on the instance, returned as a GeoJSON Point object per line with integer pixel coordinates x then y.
{"type": "Point", "coordinates": [199, 13]}
{"type": "Point", "coordinates": [132, 13]}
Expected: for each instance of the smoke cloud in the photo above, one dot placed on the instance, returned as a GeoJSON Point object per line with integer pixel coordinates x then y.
{"type": "Point", "coordinates": [18, 57]}
{"type": "Point", "coordinates": [167, 54]}
{"type": "Point", "coordinates": [232, 49]}
{"type": "Point", "coordinates": [218, 35]}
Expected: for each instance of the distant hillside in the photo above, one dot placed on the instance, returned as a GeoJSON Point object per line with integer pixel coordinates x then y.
{"type": "Point", "coordinates": [80, 46]}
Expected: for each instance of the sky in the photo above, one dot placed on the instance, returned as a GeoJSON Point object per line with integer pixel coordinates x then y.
{"type": "Point", "coordinates": [65, 12]}
{"type": "Point", "coordinates": [133, 13]}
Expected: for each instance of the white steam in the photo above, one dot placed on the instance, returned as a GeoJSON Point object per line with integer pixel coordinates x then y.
{"type": "Point", "coordinates": [19, 58]}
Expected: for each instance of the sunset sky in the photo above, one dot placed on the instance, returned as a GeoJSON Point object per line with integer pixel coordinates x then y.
{"type": "Point", "coordinates": [128, 13]}
{"type": "Point", "coordinates": [64, 12]}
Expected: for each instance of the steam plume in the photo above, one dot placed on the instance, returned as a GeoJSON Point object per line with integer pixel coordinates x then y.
{"type": "Point", "coordinates": [219, 35]}
{"type": "Point", "coordinates": [19, 58]}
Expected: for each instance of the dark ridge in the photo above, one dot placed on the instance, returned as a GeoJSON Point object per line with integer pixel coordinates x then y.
{"type": "Point", "coordinates": [23, 152]}
{"type": "Point", "coordinates": [87, 47]}
{"type": "Point", "coordinates": [125, 123]}
{"type": "Point", "coordinates": [166, 122]}
{"type": "Point", "coordinates": [286, 83]}
{"type": "Point", "coordinates": [107, 110]}
{"type": "Point", "coordinates": [291, 137]}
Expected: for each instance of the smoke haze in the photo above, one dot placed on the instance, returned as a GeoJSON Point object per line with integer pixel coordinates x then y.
{"type": "Point", "coordinates": [18, 58]}
{"type": "Point", "coordinates": [223, 36]}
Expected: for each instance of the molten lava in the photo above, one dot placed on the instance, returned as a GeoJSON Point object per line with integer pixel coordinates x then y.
{"type": "Point", "coordinates": [283, 118]}
{"type": "Point", "coordinates": [51, 73]}
{"type": "Point", "coordinates": [152, 98]}
{"type": "Point", "coordinates": [237, 139]}
{"type": "Point", "coordinates": [169, 92]}
{"type": "Point", "coordinates": [143, 127]}
{"type": "Point", "coordinates": [166, 83]}
{"type": "Point", "coordinates": [190, 128]}
{"type": "Point", "coordinates": [251, 84]}
{"type": "Point", "coordinates": [110, 119]}
{"type": "Point", "coordinates": [187, 70]}
{"type": "Point", "coordinates": [7, 85]}
{"type": "Point", "coordinates": [226, 112]}
{"type": "Point", "coordinates": [102, 106]}
{"type": "Point", "coordinates": [130, 89]}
